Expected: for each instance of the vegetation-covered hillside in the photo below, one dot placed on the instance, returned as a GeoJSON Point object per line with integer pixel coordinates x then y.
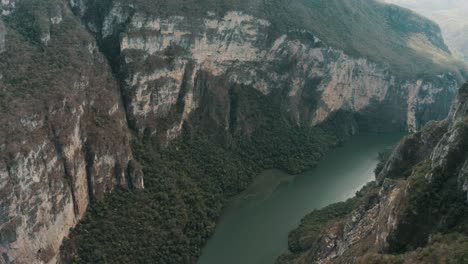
{"type": "Point", "coordinates": [188, 184]}
{"type": "Point", "coordinates": [408, 43]}
{"type": "Point", "coordinates": [417, 212]}
{"type": "Point", "coordinates": [177, 133]}
{"type": "Point", "coordinates": [450, 15]}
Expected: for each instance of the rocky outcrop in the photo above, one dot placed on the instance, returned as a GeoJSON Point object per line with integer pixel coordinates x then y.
{"type": "Point", "coordinates": [422, 192]}
{"type": "Point", "coordinates": [161, 59]}
{"type": "Point", "coordinates": [77, 78]}
{"type": "Point", "coordinates": [64, 140]}
{"type": "Point", "coordinates": [2, 36]}
{"type": "Point", "coordinates": [7, 6]}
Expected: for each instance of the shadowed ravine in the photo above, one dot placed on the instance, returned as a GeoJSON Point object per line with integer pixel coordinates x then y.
{"type": "Point", "coordinates": [255, 227]}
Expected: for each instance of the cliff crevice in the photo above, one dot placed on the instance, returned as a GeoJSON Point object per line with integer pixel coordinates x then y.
{"type": "Point", "coordinates": [420, 207]}
{"type": "Point", "coordinates": [80, 79]}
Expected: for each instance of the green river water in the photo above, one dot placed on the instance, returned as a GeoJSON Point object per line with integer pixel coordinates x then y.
{"type": "Point", "coordinates": [254, 229]}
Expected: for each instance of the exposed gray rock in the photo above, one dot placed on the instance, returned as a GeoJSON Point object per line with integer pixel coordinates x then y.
{"type": "Point", "coordinates": [422, 167]}
{"type": "Point", "coordinates": [7, 6]}
{"type": "Point", "coordinates": [2, 36]}
{"type": "Point", "coordinates": [237, 49]}
{"type": "Point", "coordinates": [65, 139]}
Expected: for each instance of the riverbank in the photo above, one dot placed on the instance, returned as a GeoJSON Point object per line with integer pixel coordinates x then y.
{"type": "Point", "coordinates": [187, 186]}
{"type": "Point", "coordinates": [254, 228]}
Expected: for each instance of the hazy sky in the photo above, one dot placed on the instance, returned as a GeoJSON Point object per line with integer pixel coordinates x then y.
{"type": "Point", "coordinates": [451, 15]}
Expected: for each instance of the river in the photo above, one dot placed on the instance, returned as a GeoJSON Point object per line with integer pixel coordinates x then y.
{"type": "Point", "coordinates": [255, 227]}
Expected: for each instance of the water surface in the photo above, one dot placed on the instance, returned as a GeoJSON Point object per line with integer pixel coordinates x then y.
{"type": "Point", "coordinates": [254, 229]}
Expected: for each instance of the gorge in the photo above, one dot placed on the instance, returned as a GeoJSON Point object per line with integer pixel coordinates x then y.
{"type": "Point", "coordinates": [132, 124]}
{"type": "Point", "coordinates": [255, 227]}
{"type": "Point", "coordinates": [415, 213]}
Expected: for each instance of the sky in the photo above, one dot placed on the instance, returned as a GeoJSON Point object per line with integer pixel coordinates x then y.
{"type": "Point", "coordinates": [451, 15]}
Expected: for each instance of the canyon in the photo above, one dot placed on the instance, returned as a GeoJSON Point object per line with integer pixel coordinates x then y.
{"type": "Point", "coordinates": [81, 81]}
{"type": "Point", "coordinates": [414, 212]}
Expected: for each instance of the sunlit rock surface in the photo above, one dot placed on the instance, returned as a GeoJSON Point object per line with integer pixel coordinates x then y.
{"type": "Point", "coordinates": [76, 84]}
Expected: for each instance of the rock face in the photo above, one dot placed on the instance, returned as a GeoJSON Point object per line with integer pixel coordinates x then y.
{"type": "Point", "coordinates": [2, 37]}
{"type": "Point", "coordinates": [64, 140]}
{"type": "Point", "coordinates": [65, 67]}
{"type": "Point", "coordinates": [451, 17]}
{"type": "Point", "coordinates": [162, 60]}
{"type": "Point", "coordinates": [422, 191]}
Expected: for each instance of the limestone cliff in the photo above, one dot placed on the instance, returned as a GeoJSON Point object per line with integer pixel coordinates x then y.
{"type": "Point", "coordinates": [79, 77]}
{"type": "Point", "coordinates": [161, 61]}
{"type": "Point", "coordinates": [451, 17]}
{"type": "Point", "coordinates": [64, 140]}
{"type": "Point", "coordinates": [418, 208]}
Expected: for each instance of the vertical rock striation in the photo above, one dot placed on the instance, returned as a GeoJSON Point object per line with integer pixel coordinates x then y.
{"type": "Point", "coordinates": [161, 58]}
{"type": "Point", "coordinates": [78, 77]}
{"type": "Point", "coordinates": [64, 140]}
{"type": "Point", "coordinates": [422, 192]}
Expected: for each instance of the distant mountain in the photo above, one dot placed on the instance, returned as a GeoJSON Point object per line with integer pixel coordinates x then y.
{"type": "Point", "coordinates": [188, 100]}
{"type": "Point", "coordinates": [451, 15]}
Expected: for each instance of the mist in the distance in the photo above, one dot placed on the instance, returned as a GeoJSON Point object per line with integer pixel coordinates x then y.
{"type": "Point", "coordinates": [452, 17]}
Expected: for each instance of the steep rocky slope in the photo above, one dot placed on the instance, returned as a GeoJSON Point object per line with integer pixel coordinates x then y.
{"type": "Point", "coordinates": [416, 213]}
{"type": "Point", "coordinates": [64, 140]}
{"type": "Point", "coordinates": [163, 54]}
{"type": "Point", "coordinates": [81, 79]}
{"type": "Point", "coordinates": [450, 15]}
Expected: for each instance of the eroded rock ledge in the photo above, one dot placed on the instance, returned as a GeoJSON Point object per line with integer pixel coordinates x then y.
{"type": "Point", "coordinates": [417, 209]}
{"type": "Point", "coordinates": [76, 84]}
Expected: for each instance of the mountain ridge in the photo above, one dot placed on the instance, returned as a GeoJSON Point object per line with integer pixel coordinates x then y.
{"type": "Point", "coordinates": [450, 15]}
{"type": "Point", "coordinates": [317, 17]}
{"type": "Point", "coordinates": [95, 93]}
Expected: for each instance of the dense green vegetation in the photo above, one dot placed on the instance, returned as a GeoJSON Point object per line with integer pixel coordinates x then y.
{"type": "Point", "coordinates": [449, 248]}
{"type": "Point", "coordinates": [432, 218]}
{"type": "Point", "coordinates": [436, 211]}
{"type": "Point", "coordinates": [436, 206]}
{"type": "Point", "coordinates": [189, 183]}
{"type": "Point", "coordinates": [305, 236]}
{"type": "Point", "coordinates": [277, 141]}
{"type": "Point", "coordinates": [29, 65]}
{"type": "Point", "coordinates": [314, 223]}
{"type": "Point", "coordinates": [382, 157]}
{"type": "Point", "coordinates": [431, 211]}
{"type": "Point", "coordinates": [186, 187]}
